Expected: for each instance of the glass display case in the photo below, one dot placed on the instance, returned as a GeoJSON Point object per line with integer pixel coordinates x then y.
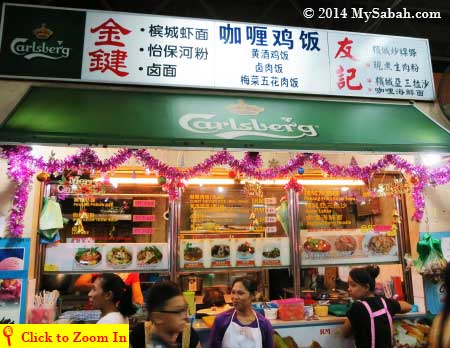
{"type": "Point", "coordinates": [237, 225]}
{"type": "Point", "coordinates": [352, 223]}
{"type": "Point", "coordinates": [111, 225]}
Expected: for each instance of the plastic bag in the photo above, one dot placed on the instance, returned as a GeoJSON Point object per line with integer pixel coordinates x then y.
{"type": "Point", "coordinates": [431, 261]}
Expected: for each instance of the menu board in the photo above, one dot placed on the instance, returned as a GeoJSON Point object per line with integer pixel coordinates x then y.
{"type": "Point", "coordinates": [192, 253]}
{"type": "Point", "coordinates": [113, 218]}
{"type": "Point", "coordinates": [234, 252]}
{"type": "Point", "coordinates": [89, 257]}
{"type": "Point", "coordinates": [230, 211]}
{"type": "Point", "coordinates": [348, 246]}
{"type": "Point", "coordinates": [246, 252]}
{"type": "Point", "coordinates": [274, 251]}
{"type": "Point", "coordinates": [220, 250]}
{"type": "Point", "coordinates": [327, 208]}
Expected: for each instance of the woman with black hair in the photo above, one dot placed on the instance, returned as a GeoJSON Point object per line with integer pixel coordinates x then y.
{"type": "Point", "coordinates": [370, 316]}
{"type": "Point", "coordinates": [213, 303]}
{"type": "Point", "coordinates": [214, 298]}
{"type": "Point", "coordinates": [241, 326]}
{"type": "Point", "coordinates": [440, 330]}
{"type": "Point", "coordinates": [110, 294]}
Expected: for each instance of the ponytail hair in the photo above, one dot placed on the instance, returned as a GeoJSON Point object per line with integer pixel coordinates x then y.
{"type": "Point", "coordinates": [121, 293]}
{"type": "Point", "coordinates": [365, 275]}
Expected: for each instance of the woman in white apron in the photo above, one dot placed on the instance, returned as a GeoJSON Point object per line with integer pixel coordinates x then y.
{"type": "Point", "coordinates": [241, 326]}
{"type": "Point", "coordinates": [370, 318]}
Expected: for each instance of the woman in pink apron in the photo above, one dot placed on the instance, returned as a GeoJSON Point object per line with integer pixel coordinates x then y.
{"type": "Point", "coordinates": [370, 316]}
{"type": "Point", "coordinates": [241, 326]}
{"type": "Point", "coordinates": [440, 331]}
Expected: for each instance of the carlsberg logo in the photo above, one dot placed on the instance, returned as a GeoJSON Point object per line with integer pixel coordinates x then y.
{"type": "Point", "coordinates": [232, 129]}
{"type": "Point", "coordinates": [33, 49]}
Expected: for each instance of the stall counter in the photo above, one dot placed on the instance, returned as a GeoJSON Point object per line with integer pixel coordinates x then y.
{"type": "Point", "coordinates": [324, 331]}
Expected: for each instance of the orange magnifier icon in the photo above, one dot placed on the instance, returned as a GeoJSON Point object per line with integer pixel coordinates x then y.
{"type": "Point", "coordinates": [7, 332]}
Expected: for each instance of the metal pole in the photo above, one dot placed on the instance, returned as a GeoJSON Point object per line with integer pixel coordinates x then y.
{"type": "Point", "coordinates": [174, 223]}
{"type": "Point", "coordinates": [294, 240]}
{"type": "Point", "coordinates": [404, 248]}
{"type": "Point", "coordinates": [45, 191]}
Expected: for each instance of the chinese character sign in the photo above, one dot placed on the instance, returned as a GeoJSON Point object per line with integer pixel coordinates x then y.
{"type": "Point", "coordinates": [112, 58]}
{"type": "Point", "coordinates": [383, 67]}
{"type": "Point", "coordinates": [170, 51]}
{"type": "Point", "coordinates": [270, 58]}
{"type": "Point", "coordinates": [148, 50]}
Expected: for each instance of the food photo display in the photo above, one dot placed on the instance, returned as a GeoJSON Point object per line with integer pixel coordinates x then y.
{"type": "Point", "coordinates": [347, 247]}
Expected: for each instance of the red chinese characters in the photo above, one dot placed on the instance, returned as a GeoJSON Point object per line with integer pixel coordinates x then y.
{"type": "Point", "coordinates": [346, 81]}
{"type": "Point", "coordinates": [345, 49]}
{"type": "Point", "coordinates": [109, 34]}
{"type": "Point", "coordinates": [345, 76]}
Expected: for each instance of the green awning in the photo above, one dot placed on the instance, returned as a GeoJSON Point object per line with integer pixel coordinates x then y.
{"type": "Point", "coordinates": [130, 118]}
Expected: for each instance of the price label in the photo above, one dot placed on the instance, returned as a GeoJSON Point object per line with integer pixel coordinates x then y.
{"type": "Point", "coordinates": [270, 200]}
{"type": "Point", "coordinates": [270, 219]}
{"type": "Point", "coordinates": [366, 228]}
{"type": "Point", "coordinates": [270, 210]}
{"type": "Point", "coordinates": [143, 230]}
{"type": "Point", "coordinates": [139, 218]}
{"type": "Point", "coordinates": [391, 233]}
{"type": "Point", "coordinates": [146, 203]}
{"type": "Point", "coordinates": [49, 267]}
{"type": "Point", "coordinates": [271, 229]}
{"type": "Point", "coordinates": [382, 228]}
{"type": "Point", "coordinates": [271, 262]}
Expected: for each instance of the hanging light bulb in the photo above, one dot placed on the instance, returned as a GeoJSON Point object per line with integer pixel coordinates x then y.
{"type": "Point", "coordinates": [430, 159]}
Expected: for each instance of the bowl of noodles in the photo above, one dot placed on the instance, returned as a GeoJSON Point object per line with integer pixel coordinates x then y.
{"type": "Point", "coordinates": [119, 257]}
{"type": "Point", "coordinates": [345, 245]}
{"type": "Point", "coordinates": [380, 244]}
{"type": "Point", "coordinates": [88, 257]}
{"type": "Point", "coordinates": [150, 255]}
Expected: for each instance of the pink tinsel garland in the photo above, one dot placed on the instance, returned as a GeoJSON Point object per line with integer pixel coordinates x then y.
{"type": "Point", "coordinates": [293, 185]}
{"type": "Point", "coordinates": [22, 166]}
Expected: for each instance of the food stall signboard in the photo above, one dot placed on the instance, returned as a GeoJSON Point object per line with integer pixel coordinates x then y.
{"type": "Point", "coordinates": [120, 48]}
